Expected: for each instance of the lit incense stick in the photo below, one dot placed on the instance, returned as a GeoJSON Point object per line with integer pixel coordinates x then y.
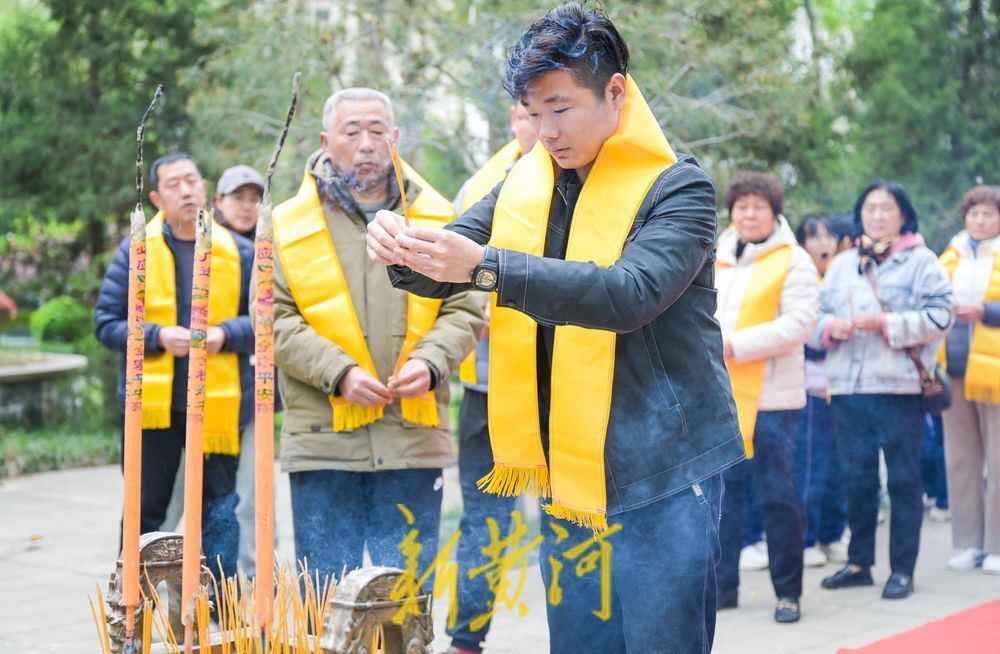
{"type": "Point", "coordinates": [194, 445]}
{"type": "Point", "coordinates": [134, 356]}
{"type": "Point", "coordinates": [264, 387]}
{"type": "Point", "coordinates": [397, 165]}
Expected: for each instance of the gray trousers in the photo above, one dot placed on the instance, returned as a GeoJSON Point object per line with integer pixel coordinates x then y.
{"type": "Point", "coordinates": [244, 508]}
{"type": "Point", "coordinates": [972, 445]}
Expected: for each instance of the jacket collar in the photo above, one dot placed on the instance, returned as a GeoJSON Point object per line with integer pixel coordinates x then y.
{"type": "Point", "coordinates": [729, 239]}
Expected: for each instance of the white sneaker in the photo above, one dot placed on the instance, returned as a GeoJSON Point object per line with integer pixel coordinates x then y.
{"type": "Point", "coordinates": [813, 557]}
{"type": "Point", "coordinates": [969, 559]}
{"type": "Point", "coordinates": [991, 564]}
{"type": "Point", "coordinates": [939, 515]}
{"type": "Point", "coordinates": [754, 557]}
{"type": "Point", "coordinates": [836, 552]}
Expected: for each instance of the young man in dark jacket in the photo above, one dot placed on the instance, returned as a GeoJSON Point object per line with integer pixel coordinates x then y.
{"type": "Point", "coordinates": [179, 191]}
{"type": "Point", "coordinates": [628, 422]}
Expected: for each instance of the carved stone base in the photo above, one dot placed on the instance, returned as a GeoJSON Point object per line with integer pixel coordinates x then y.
{"type": "Point", "coordinates": [161, 558]}
{"type": "Point", "coordinates": [361, 603]}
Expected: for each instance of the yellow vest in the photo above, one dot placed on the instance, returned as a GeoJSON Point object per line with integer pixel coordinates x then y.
{"type": "Point", "coordinates": [318, 286]}
{"type": "Point", "coordinates": [982, 372]}
{"type": "Point", "coordinates": [583, 360]}
{"type": "Point", "coordinates": [485, 180]}
{"type": "Point", "coordinates": [222, 395]}
{"type": "Point", "coordinates": [760, 304]}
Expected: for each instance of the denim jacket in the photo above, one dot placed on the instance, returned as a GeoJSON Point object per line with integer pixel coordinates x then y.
{"type": "Point", "coordinates": [917, 289]}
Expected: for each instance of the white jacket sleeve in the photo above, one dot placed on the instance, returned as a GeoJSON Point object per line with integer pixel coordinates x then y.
{"type": "Point", "coordinates": [797, 313]}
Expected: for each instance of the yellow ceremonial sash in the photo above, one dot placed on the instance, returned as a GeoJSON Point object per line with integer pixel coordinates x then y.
{"type": "Point", "coordinates": [318, 285]}
{"type": "Point", "coordinates": [760, 304]}
{"type": "Point", "coordinates": [222, 395]}
{"type": "Point", "coordinates": [485, 180]}
{"type": "Point", "coordinates": [982, 372]}
{"type": "Point", "coordinates": [583, 360]}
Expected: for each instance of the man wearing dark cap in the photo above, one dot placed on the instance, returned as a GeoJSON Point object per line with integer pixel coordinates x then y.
{"type": "Point", "coordinates": [239, 191]}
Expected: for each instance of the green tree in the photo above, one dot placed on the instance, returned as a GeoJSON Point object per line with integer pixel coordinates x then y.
{"type": "Point", "coordinates": [928, 76]}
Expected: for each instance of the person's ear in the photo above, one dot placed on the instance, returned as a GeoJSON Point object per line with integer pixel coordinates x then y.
{"type": "Point", "coordinates": [217, 198]}
{"type": "Point", "coordinates": [395, 133]}
{"type": "Point", "coordinates": [615, 90]}
{"type": "Point", "coordinates": [324, 141]}
{"type": "Point", "coordinates": [154, 199]}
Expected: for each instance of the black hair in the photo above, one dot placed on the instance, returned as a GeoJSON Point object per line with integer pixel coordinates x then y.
{"type": "Point", "coordinates": [840, 225]}
{"type": "Point", "coordinates": [910, 224]}
{"type": "Point", "coordinates": [154, 177]}
{"type": "Point", "coordinates": [584, 42]}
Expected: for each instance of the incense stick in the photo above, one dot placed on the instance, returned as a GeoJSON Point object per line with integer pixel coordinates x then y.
{"type": "Point", "coordinates": [134, 357]}
{"type": "Point", "coordinates": [264, 384]}
{"type": "Point", "coordinates": [194, 445]}
{"type": "Point", "coordinates": [397, 165]}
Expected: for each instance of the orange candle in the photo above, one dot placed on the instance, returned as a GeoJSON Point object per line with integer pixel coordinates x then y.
{"type": "Point", "coordinates": [194, 444]}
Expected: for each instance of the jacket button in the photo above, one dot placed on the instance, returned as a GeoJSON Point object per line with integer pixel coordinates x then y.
{"type": "Point", "coordinates": [378, 462]}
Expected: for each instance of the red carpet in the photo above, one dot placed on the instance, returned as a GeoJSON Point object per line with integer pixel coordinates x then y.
{"type": "Point", "coordinates": [973, 631]}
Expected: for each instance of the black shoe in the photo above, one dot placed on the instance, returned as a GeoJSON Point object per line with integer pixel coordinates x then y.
{"type": "Point", "coordinates": [899, 586]}
{"type": "Point", "coordinates": [847, 577]}
{"type": "Point", "coordinates": [727, 599]}
{"type": "Point", "coordinates": [788, 610]}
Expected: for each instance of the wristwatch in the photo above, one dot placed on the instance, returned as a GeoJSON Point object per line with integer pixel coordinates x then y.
{"type": "Point", "coordinates": [486, 275]}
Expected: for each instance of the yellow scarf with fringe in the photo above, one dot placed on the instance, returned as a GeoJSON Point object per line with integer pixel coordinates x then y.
{"type": "Point", "coordinates": [485, 180]}
{"type": "Point", "coordinates": [319, 288]}
{"type": "Point", "coordinates": [982, 372]}
{"type": "Point", "coordinates": [583, 360]}
{"type": "Point", "coordinates": [222, 394]}
{"type": "Point", "coordinates": [760, 304]}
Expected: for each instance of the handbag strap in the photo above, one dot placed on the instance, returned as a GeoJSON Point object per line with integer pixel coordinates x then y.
{"type": "Point", "coordinates": [911, 352]}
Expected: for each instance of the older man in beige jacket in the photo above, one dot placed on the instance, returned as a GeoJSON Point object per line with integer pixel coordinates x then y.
{"type": "Point", "coordinates": [363, 367]}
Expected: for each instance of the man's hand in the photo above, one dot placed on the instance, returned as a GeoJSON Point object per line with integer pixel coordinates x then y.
{"type": "Point", "coordinates": [413, 380]}
{"type": "Point", "coordinates": [381, 238]}
{"type": "Point", "coordinates": [215, 338]}
{"type": "Point", "coordinates": [359, 388]}
{"type": "Point", "coordinates": [174, 340]}
{"type": "Point", "coordinates": [727, 348]}
{"type": "Point", "coordinates": [442, 255]}
{"type": "Point", "coordinates": [868, 322]}
{"type": "Point", "coordinates": [841, 329]}
{"type": "Point", "coordinates": [970, 312]}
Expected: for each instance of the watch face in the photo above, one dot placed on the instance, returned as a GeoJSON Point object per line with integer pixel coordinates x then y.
{"type": "Point", "coordinates": [486, 279]}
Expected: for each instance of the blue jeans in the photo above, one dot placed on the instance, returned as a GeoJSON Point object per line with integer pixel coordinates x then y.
{"type": "Point", "coordinates": [662, 579]}
{"type": "Point", "coordinates": [336, 513]}
{"type": "Point", "coordinates": [770, 472]}
{"type": "Point", "coordinates": [817, 475]}
{"type": "Point", "coordinates": [894, 424]}
{"type": "Point", "coordinates": [475, 459]}
{"type": "Point", "coordinates": [932, 455]}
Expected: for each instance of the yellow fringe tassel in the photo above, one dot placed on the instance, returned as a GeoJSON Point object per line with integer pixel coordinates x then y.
{"type": "Point", "coordinates": [421, 411]}
{"type": "Point", "coordinates": [348, 417]}
{"type": "Point", "coordinates": [155, 417]}
{"type": "Point", "coordinates": [510, 480]}
{"type": "Point", "coordinates": [596, 522]}
{"type": "Point", "coordinates": [982, 394]}
{"type": "Point", "coordinates": [222, 443]}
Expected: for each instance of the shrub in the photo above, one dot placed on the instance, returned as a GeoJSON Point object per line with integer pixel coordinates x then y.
{"type": "Point", "coordinates": [61, 320]}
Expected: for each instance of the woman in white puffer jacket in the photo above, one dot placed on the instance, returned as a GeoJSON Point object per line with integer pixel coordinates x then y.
{"type": "Point", "coordinates": [768, 303]}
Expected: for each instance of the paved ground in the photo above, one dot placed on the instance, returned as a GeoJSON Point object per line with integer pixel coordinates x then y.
{"type": "Point", "coordinates": [43, 590]}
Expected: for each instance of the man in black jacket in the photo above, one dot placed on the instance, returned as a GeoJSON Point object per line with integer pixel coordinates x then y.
{"type": "Point", "coordinates": [672, 424]}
